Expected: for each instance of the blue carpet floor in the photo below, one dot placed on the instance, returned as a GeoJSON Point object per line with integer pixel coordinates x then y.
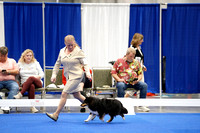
{"type": "Point", "coordinates": [74, 123]}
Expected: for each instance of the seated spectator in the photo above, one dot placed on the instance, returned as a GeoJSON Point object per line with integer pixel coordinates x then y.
{"type": "Point", "coordinates": [8, 70]}
{"type": "Point", "coordinates": [30, 73]}
{"type": "Point", "coordinates": [128, 73]}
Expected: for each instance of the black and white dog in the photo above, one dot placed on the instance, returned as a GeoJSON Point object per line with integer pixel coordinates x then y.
{"type": "Point", "coordinates": [104, 106]}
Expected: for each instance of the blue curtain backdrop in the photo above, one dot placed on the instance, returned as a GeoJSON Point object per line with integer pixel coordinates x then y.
{"type": "Point", "coordinates": [181, 46]}
{"type": "Point", "coordinates": [180, 26]}
{"type": "Point", "coordinates": [144, 19]}
{"type": "Point", "coordinates": [23, 29]}
{"type": "Point", "coordinates": [60, 20]}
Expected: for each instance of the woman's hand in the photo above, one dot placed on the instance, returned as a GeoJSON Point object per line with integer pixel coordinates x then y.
{"type": "Point", "coordinates": [89, 77]}
{"type": "Point", "coordinates": [53, 79]}
{"type": "Point", "coordinates": [144, 68]}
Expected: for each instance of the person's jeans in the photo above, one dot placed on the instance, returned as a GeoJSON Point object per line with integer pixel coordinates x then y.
{"type": "Point", "coordinates": [11, 85]}
{"type": "Point", "coordinates": [121, 87]}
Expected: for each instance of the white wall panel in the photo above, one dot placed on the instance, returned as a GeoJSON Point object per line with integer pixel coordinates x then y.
{"type": "Point", "coordinates": [2, 36]}
{"type": "Point", "coordinates": [105, 32]}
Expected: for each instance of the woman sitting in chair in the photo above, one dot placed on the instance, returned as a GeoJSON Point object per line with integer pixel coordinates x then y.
{"type": "Point", "coordinates": [30, 73]}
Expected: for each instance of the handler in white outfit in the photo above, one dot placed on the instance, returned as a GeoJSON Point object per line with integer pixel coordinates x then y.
{"type": "Point", "coordinates": [73, 59]}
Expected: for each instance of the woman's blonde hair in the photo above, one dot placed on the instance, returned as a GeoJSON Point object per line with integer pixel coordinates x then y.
{"type": "Point", "coordinates": [70, 38]}
{"type": "Point", "coordinates": [136, 38]}
{"type": "Point", "coordinates": [24, 54]}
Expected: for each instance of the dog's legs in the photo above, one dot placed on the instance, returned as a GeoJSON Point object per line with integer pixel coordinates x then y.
{"type": "Point", "coordinates": [93, 117]}
{"type": "Point", "coordinates": [101, 116]}
{"type": "Point", "coordinates": [122, 115]}
{"type": "Point", "coordinates": [90, 117]}
{"type": "Point", "coordinates": [111, 118]}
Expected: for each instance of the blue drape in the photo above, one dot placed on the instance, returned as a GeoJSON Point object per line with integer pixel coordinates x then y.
{"type": "Point", "coordinates": [23, 29]}
{"type": "Point", "coordinates": [181, 46]}
{"type": "Point", "coordinates": [144, 19]}
{"type": "Point", "coordinates": [180, 37]}
{"type": "Point", "coordinates": [60, 20]}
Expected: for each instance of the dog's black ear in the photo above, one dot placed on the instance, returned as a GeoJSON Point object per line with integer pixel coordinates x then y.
{"type": "Point", "coordinates": [89, 97]}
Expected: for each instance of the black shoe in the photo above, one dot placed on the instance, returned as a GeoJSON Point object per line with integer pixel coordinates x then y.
{"type": "Point", "coordinates": [6, 111]}
{"type": "Point", "coordinates": [82, 110]}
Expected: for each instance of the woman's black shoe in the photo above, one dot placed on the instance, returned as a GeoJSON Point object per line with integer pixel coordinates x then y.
{"type": "Point", "coordinates": [82, 110]}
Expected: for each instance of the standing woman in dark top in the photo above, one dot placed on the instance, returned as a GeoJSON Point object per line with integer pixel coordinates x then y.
{"type": "Point", "coordinates": [136, 41]}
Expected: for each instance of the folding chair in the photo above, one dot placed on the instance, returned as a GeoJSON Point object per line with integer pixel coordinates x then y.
{"type": "Point", "coordinates": [102, 82]}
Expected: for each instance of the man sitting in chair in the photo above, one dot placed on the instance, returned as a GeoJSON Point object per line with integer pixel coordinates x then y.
{"type": "Point", "coordinates": [8, 70]}
{"type": "Point", "coordinates": [128, 74]}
